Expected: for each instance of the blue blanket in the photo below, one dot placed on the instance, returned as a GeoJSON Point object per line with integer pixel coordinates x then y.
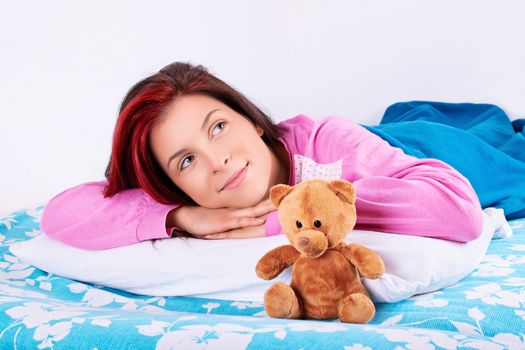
{"type": "Point", "coordinates": [479, 140]}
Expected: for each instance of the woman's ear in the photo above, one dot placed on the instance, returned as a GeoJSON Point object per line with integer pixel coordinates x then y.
{"type": "Point", "coordinates": [259, 130]}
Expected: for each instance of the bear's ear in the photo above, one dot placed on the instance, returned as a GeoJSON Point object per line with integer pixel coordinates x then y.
{"type": "Point", "coordinates": [278, 192]}
{"type": "Point", "coordinates": [344, 190]}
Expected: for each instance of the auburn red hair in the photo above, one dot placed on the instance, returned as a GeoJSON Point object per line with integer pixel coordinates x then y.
{"type": "Point", "coordinates": [132, 163]}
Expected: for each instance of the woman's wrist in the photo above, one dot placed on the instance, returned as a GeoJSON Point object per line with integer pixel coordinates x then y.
{"type": "Point", "coordinates": [174, 218]}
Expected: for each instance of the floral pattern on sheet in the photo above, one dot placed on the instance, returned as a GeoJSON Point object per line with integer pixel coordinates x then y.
{"type": "Point", "coordinates": [486, 310]}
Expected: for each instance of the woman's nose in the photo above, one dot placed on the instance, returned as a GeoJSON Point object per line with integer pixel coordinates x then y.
{"type": "Point", "coordinates": [220, 162]}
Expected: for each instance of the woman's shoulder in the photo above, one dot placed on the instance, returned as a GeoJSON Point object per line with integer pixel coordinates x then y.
{"type": "Point", "coordinates": [323, 137]}
{"type": "Point", "coordinates": [300, 120]}
{"type": "Point", "coordinates": [303, 127]}
{"type": "Point", "coordinates": [303, 120]}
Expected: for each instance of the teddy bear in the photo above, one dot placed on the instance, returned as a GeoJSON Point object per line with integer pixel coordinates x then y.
{"type": "Point", "coordinates": [316, 215]}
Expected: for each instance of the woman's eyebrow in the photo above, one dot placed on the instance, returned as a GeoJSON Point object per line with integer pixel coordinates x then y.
{"type": "Point", "coordinates": [207, 118]}
{"type": "Point", "coordinates": [204, 123]}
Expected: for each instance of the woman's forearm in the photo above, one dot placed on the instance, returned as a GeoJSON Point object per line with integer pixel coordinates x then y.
{"type": "Point", "coordinates": [82, 217]}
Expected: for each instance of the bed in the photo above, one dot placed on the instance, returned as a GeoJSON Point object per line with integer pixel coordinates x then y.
{"type": "Point", "coordinates": [485, 310]}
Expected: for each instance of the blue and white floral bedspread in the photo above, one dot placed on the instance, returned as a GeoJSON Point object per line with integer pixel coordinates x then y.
{"type": "Point", "coordinates": [37, 310]}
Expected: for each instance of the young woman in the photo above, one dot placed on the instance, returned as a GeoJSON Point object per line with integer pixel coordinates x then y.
{"type": "Point", "coordinates": [191, 154]}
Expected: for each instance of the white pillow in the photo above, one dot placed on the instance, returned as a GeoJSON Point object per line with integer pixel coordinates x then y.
{"type": "Point", "coordinates": [225, 269]}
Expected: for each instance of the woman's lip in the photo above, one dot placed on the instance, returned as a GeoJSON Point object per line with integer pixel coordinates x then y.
{"type": "Point", "coordinates": [236, 179]}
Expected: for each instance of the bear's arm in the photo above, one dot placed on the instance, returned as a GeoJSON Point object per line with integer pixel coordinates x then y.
{"type": "Point", "coordinates": [275, 261]}
{"type": "Point", "coordinates": [368, 262]}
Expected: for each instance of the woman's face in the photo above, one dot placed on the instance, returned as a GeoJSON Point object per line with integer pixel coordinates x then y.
{"type": "Point", "coordinates": [213, 154]}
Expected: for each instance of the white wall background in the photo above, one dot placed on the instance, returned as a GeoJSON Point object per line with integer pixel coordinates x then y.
{"type": "Point", "coordinates": [66, 65]}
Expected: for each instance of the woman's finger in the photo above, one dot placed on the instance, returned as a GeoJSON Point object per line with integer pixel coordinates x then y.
{"type": "Point", "coordinates": [241, 222]}
{"type": "Point", "coordinates": [250, 232]}
{"type": "Point", "coordinates": [264, 217]}
{"type": "Point", "coordinates": [266, 204]}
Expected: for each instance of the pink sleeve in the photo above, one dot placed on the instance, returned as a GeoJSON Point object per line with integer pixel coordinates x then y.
{"type": "Point", "coordinates": [83, 218]}
{"type": "Point", "coordinates": [272, 226]}
{"type": "Point", "coordinates": [399, 193]}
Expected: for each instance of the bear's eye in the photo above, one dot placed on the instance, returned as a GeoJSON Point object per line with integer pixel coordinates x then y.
{"type": "Point", "coordinates": [317, 223]}
{"type": "Point", "coordinates": [298, 223]}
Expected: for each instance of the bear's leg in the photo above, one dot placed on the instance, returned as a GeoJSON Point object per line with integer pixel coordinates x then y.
{"type": "Point", "coordinates": [280, 301]}
{"type": "Point", "coordinates": [356, 308]}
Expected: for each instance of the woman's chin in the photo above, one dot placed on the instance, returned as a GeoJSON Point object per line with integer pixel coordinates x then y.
{"type": "Point", "coordinates": [238, 198]}
{"type": "Point", "coordinates": [250, 200]}
{"type": "Point", "coordinates": [247, 203]}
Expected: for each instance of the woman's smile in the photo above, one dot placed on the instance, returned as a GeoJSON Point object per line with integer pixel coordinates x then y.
{"type": "Point", "coordinates": [236, 179]}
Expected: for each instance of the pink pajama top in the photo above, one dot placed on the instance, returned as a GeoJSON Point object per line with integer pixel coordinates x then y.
{"type": "Point", "coordinates": [396, 193]}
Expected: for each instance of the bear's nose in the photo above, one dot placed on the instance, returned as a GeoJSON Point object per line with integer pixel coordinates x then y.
{"type": "Point", "coordinates": [303, 241]}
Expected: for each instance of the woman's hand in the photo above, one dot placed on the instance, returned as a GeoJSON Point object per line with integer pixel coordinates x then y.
{"type": "Point", "coordinates": [223, 223]}
{"type": "Point", "coordinates": [243, 232]}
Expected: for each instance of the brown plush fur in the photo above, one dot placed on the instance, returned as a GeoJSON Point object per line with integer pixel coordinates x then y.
{"type": "Point", "coordinates": [326, 274]}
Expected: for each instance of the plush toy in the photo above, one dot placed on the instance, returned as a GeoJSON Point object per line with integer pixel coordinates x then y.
{"type": "Point", "coordinates": [316, 215]}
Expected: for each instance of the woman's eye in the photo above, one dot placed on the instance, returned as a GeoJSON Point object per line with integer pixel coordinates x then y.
{"type": "Point", "coordinates": [219, 126]}
{"type": "Point", "coordinates": [186, 162]}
